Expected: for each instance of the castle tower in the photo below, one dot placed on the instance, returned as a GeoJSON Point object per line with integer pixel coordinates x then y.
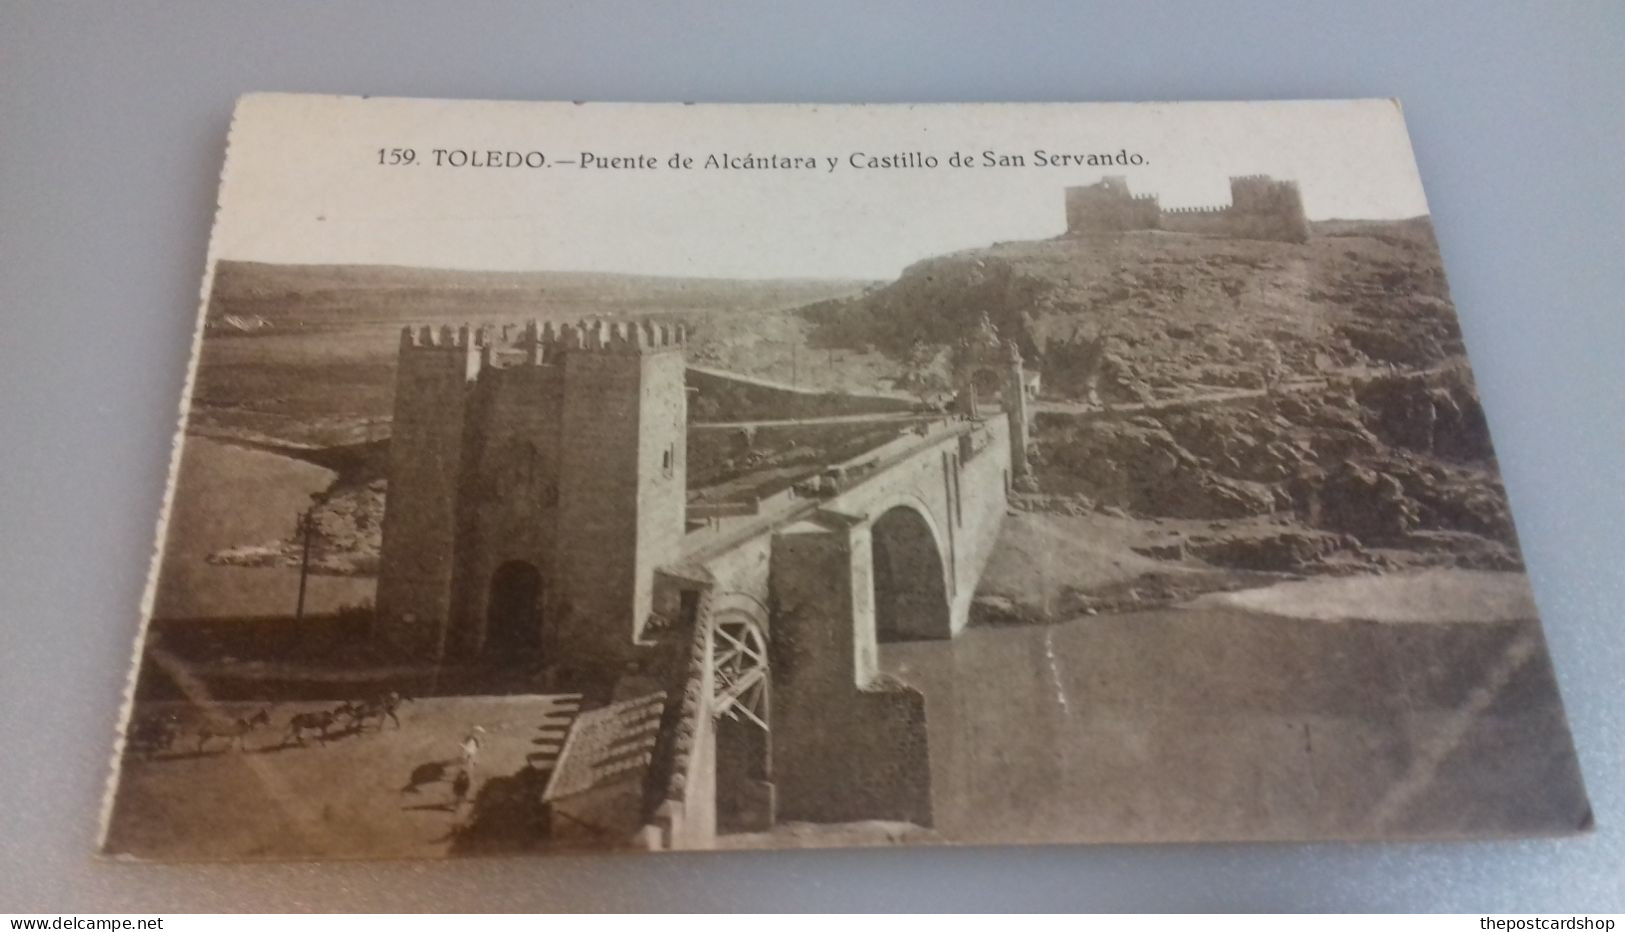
{"type": "Point", "coordinates": [1267, 208]}
{"type": "Point", "coordinates": [537, 480]}
{"type": "Point", "coordinates": [1108, 206]}
{"type": "Point", "coordinates": [418, 554]}
{"type": "Point", "coordinates": [622, 483]}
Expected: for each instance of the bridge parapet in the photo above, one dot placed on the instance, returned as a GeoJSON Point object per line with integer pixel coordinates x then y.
{"type": "Point", "coordinates": [677, 813]}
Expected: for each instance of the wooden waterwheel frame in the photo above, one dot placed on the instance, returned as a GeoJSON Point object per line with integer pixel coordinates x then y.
{"type": "Point", "coordinates": [739, 670]}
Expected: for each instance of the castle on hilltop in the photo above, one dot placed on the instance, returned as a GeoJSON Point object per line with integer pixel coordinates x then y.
{"type": "Point", "coordinates": [1260, 207]}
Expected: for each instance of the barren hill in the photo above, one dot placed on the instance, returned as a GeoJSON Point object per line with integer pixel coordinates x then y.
{"type": "Point", "coordinates": [358, 294]}
{"type": "Point", "coordinates": [1175, 309]}
{"type": "Point", "coordinates": [1305, 407]}
{"type": "Point", "coordinates": [306, 353]}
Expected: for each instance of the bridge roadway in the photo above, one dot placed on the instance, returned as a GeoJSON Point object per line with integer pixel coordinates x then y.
{"type": "Point", "coordinates": [873, 418]}
{"type": "Point", "coordinates": [787, 507]}
{"type": "Point", "coordinates": [1294, 386]}
{"type": "Point", "coordinates": [791, 387]}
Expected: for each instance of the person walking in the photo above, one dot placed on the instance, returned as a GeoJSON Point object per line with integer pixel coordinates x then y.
{"type": "Point", "coordinates": [459, 790]}
{"type": "Point", "coordinates": [471, 748]}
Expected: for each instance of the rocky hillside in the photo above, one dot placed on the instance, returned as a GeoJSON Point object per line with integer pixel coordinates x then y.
{"type": "Point", "coordinates": [1368, 450]}
{"type": "Point", "coordinates": [1172, 312]}
{"type": "Point", "coordinates": [1390, 470]}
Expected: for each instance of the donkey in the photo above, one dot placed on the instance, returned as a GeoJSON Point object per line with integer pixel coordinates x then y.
{"type": "Point", "coordinates": [233, 731]}
{"type": "Point", "coordinates": [318, 722]}
{"type": "Point", "coordinates": [380, 708]}
{"type": "Point", "coordinates": [154, 734]}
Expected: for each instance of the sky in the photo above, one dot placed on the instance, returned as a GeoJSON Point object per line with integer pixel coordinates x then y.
{"type": "Point", "coordinates": [303, 181]}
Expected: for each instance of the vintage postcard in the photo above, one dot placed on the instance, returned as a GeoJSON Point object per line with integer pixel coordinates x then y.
{"type": "Point", "coordinates": [651, 477]}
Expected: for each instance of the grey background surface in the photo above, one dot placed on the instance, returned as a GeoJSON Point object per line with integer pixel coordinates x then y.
{"type": "Point", "coordinates": [112, 125]}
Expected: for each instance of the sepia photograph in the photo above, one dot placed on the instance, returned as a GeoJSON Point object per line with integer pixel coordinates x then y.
{"type": "Point", "coordinates": [560, 477]}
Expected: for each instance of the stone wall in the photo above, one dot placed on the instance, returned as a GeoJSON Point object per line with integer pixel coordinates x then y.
{"type": "Point", "coordinates": [621, 495]}
{"type": "Point", "coordinates": [508, 491]}
{"type": "Point", "coordinates": [1260, 207]}
{"type": "Point", "coordinates": [418, 551]}
{"type": "Point", "coordinates": [847, 745]}
{"type": "Point", "coordinates": [1238, 224]}
{"type": "Point", "coordinates": [680, 804]}
{"type": "Point", "coordinates": [985, 479]}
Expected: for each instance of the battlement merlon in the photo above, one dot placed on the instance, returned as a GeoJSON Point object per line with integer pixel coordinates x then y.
{"type": "Point", "coordinates": [1261, 207]}
{"type": "Point", "coordinates": [619, 337]}
{"type": "Point", "coordinates": [1114, 191]}
{"type": "Point", "coordinates": [444, 338]}
{"type": "Point", "coordinates": [426, 350]}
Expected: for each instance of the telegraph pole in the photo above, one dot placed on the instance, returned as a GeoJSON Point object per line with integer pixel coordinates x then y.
{"type": "Point", "coordinates": [304, 527]}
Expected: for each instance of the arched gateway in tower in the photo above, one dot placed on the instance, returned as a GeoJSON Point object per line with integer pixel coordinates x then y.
{"type": "Point", "coordinates": [989, 372]}
{"type": "Point", "coordinates": [513, 612]}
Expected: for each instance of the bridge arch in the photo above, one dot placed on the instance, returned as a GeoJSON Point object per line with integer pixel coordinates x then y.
{"type": "Point", "coordinates": [911, 567]}
{"type": "Point", "coordinates": [989, 384]}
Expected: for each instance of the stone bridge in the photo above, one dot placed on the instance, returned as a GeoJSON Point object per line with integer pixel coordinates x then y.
{"type": "Point", "coordinates": [784, 715]}
{"type": "Point", "coordinates": [538, 519]}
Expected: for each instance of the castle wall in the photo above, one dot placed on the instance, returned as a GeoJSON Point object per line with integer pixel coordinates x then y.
{"type": "Point", "coordinates": [1260, 207]}
{"type": "Point", "coordinates": [1273, 223]}
{"type": "Point", "coordinates": [418, 555]}
{"type": "Point", "coordinates": [1210, 221]}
